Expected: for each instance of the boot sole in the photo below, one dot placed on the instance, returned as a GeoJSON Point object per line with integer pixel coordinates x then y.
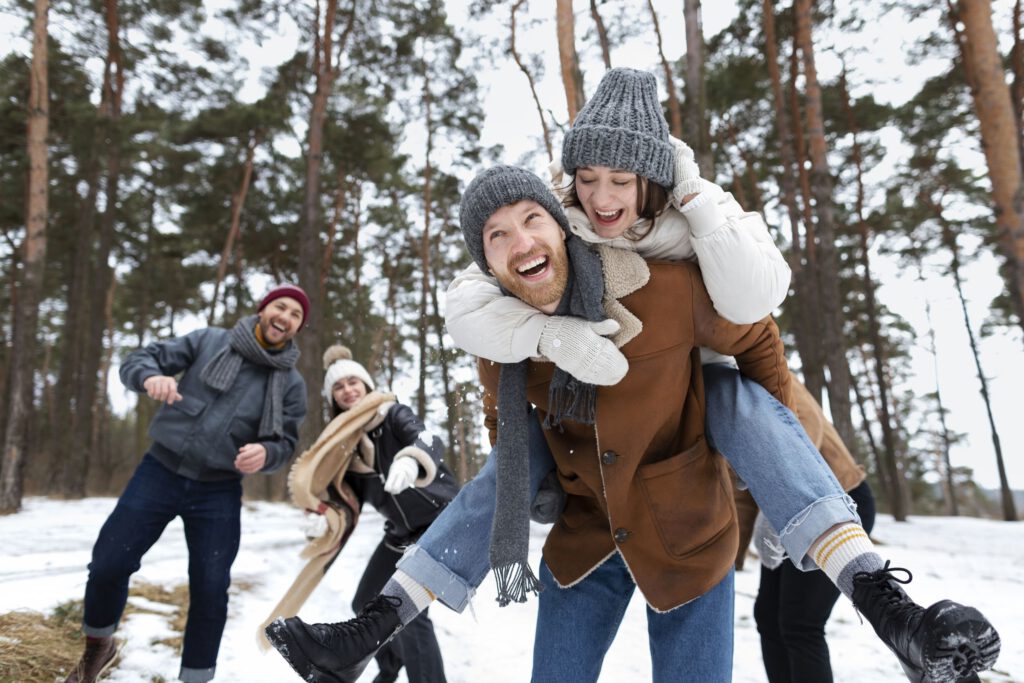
{"type": "Point", "coordinates": [281, 637]}
{"type": "Point", "coordinates": [968, 644]}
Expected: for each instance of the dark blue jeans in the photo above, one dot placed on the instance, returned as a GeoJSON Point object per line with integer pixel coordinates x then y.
{"type": "Point", "coordinates": [211, 512]}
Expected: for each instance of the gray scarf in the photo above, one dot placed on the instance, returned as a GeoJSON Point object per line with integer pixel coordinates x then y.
{"type": "Point", "coordinates": [568, 398]}
{"type": "Point", "coordinates": [221, 371]}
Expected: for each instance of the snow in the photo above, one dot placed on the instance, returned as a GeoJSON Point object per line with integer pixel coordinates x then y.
{"type": "Point", "coordinates": [47, 547]}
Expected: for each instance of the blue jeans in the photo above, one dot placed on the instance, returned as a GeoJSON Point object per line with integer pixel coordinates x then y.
{"type": "Point", "coordinates": [770, 451]}
{"type": "Point", "coordinates": [211, 512]}
{"type": "Point", "coordinates": [576, 626]}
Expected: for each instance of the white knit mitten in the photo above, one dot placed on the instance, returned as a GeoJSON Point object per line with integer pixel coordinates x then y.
{"type": "Point", "coordinates": [581, 348]}
{"type": "Point", "coordinates": [686, 172]}
{"type": "Point", "coordinates": [402, 474]}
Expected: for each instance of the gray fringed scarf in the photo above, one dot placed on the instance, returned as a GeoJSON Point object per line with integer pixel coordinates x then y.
{"type": "Point", "coordinates": [221, 371]}
{"type": "Point", "coordinates": [568, 398]}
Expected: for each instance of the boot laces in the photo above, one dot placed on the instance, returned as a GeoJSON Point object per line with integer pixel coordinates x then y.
{"type": "Point", "coordinates": [369, 621]}
{"type": "Point", "coordinates": [883, 580]}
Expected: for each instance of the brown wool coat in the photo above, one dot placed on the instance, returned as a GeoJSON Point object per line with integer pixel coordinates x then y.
{"type": "Point", "coordinates": [643, 480]}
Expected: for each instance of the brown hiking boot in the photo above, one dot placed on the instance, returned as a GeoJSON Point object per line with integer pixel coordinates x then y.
{"type": "Point", "coordinates": [97, 659]}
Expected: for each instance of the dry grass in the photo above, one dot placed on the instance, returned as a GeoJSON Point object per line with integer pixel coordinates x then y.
{"type": "Point", "coordinates": [40, 648]}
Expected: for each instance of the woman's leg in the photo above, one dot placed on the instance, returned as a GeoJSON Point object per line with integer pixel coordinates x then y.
{"type": "Point", "coordinates": [452, 557]}
{"type": "Point", "coordinates": [770, 451]}
{"type": "Point", "coordinates": [378, 570]}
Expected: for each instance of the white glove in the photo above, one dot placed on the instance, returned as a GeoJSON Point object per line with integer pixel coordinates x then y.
{"type": "Point", "coordinates": [313, 525]}
{"type": "Point", "coordinates": [401, 475]}
{"type": "Point", "coordinates": [580, 348]}
{"type": "Point", "coordinates": [687, 175]}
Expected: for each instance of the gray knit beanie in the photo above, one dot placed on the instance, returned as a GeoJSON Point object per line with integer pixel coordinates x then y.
{"type": "Point", "coordinates": [622, 126]}
{"type": "Point", "coordinates": [497, 187]}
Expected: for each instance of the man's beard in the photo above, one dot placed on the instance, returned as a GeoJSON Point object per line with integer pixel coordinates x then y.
{"type": "Point", "coordinates": [542, 294]}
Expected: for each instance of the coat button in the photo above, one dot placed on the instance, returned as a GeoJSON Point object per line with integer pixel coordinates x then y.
{"type": "Point", "coordinates": [621, 535]}
{"type": "Point", "coordinates": [609, 457]}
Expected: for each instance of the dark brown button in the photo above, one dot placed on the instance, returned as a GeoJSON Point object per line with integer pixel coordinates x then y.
{"type": "Point", "coordinates": [621, 535]}
{"type": "Point", "coordinates": [609, 457]}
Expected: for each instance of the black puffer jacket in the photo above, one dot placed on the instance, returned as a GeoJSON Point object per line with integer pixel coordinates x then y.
{"type": "Point", "coordinates": [409, 513]}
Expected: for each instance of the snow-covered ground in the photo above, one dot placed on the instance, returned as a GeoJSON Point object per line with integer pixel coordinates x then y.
{"type": "Point", "coordinates": [46, 548]}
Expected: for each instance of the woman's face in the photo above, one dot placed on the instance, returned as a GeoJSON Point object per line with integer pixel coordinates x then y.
{"type": "Point", "coordinates": [608, 197]}
{"type": "Point", "coordinates": [347, 391]}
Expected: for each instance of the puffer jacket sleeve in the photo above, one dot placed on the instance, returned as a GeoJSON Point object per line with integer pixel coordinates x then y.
{"type": "Point", "coordinates": [281, 449]}
{"type": "Point", "coordinates": [417, 443]}
{"type": "Point", "coordinates": [167, 357]}
{"type": "Point", "coordinates": [486, 323]}
{"type": "Point", "coordinates": [745, 273]}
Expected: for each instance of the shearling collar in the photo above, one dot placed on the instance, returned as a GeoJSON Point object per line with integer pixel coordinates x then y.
{"type": "Point", "coordinates": [624, 273]}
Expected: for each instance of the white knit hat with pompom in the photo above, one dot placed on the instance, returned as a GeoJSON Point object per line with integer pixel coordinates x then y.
{"type": "Point", "coordinates": [338, 364]}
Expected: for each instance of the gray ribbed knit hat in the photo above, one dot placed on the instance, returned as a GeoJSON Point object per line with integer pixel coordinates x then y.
{"type": "Point", "coordinates": [622, 126]}
{"type": "Point", "coordinates": [497, 187]}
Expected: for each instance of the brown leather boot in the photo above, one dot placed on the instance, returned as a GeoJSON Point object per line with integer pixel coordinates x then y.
{"type": "Point", "coordinates": [98, 657]}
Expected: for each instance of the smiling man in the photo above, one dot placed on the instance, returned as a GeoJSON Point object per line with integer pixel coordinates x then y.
{"type": "Point", "coordinates": [235, 410]}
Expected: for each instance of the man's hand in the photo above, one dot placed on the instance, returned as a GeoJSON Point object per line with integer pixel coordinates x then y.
{"type": "Point", "coordinates": [401, 475]}
{"type": "Point", "coordinates": [251, 458]}
{"type": "Point", "coordinates": [162, 388]}
{"type": "Point", "coordinates": [687, 175]}
{"type": "Point", "coordinates": [580, 348]}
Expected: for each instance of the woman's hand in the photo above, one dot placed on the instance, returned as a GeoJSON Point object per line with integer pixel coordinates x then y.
{"type": "Point", "coordinates": [402, 475]}
{"type": "Point", "coordinates": [687, 175]}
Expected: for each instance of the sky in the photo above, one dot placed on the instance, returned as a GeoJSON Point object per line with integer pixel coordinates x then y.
{"type": "Point", "coordinates": [47, 546]}
{"type": "Point", "coordinates": [880, 65]}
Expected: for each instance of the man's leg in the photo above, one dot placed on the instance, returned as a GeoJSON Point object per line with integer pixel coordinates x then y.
{"type": "Point", "coordinates": [448, 563]}
{"type": "Point", "coordinates": [576, 625]}
{"type": "Point", "coordinates": [694, 641]}
{"type": "Point", "coordinates": [212, 520]}
{"type": "Point", "coordinates": [148, 504]}
{"type": "Point", "coordinates": [818, 526]}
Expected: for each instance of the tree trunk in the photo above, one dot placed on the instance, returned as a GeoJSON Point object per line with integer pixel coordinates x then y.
{"type": "Point", "coordinates": [26, 308]}
{"type": "Point", "coordinates": [1000, 138]}
{"type": "Point", "coordinates": [340, 196]}
{"type": "Point", "coordinates": [802, 307]}
{"type": "Point", "coordinates": [237, 202]}
{"type": "Point", "coordinates": [325, 65]}
{"type": "Point", "coordinates": [828, 261]}
{"type": "Point", "coordinates": [812, 354]}
{"type": "Point", "coordinates": [572, 77]}
{"type": "Point", "coordinates": [697, 131]}
{"type": "Point", "coordinates": [1017, 89]}
{"type": "Point", "coordinates": [425, 279]}
{"type": "Point", "coordinates": [883, 480]}
{"type": "Point", "coordinates": [949, 239]}
{"type": "Point", "coordinates": [947, 439]}
{"type": "Point", "coordinates": [529, 77]}
{"type": "Point", "coordinates": [446, 381]}
{"type": "Point", "coordinates": [892, 464]}
{"type": "Point", "coordinates": [602, 34]}
{"type": "Point", "coordinates": [675, 112]}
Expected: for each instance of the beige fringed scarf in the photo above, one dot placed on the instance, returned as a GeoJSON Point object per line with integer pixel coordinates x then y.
{"type": "Point", "coordinates": [322, 465]}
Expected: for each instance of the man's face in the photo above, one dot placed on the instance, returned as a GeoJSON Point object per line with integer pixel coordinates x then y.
{"type": "Point", "coordinates": [280, 320]}
{"type": "Point", "coordinates": [525, 250]}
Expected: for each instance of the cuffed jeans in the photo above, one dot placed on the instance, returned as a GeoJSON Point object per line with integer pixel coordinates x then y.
{"type": "Point", "coordinates": [211, 512]}
{"type": "Point", "coordinates": [576, 626]}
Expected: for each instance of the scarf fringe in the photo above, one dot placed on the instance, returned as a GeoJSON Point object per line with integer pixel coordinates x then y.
{"type": "Point", "coordinates": [515, 581]}
{"type": "Point", "coordinates": [574, 401]}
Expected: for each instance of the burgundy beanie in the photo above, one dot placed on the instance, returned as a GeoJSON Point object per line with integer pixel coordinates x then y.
{"type": "Point", "coordinates": [292, 292]}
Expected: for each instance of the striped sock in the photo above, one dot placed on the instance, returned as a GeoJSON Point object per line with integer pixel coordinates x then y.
{"type": "Point", "coordinates": [415, 597]}
{"type": "Point", "coordinates": [844, 551]}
